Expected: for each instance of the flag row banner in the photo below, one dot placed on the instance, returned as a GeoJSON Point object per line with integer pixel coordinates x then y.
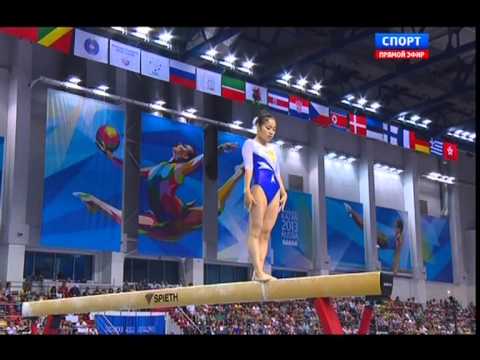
{"type": "Point", "coordinates": [95, 47]}
{"type": "Point", "coordinates": [101, 49]}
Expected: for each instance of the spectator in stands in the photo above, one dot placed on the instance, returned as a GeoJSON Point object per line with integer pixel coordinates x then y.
{"type": "Point", "coordinates": [74, 291]}
{"type": "Point", "coordinates": [63, 290]}
{"type": "Point", "coordinates": [11, 329]}
{"type": "Point", "coordinates": [8, 291]}
{"type": "Point", "coordinates": [53, 292]}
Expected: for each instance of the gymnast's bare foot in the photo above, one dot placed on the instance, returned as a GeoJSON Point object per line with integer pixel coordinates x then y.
{"type": "Point", "coordinates": [271, 277]}
{"type": "Point", "coordinates": [262, 277]}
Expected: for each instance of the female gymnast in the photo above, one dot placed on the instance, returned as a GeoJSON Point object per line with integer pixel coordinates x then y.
{"type": "Point", "coordinates": [264, 192]}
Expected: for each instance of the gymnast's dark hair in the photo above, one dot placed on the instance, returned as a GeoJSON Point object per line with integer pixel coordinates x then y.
{"type": "Point", "coordinates": [399, 224]}
{"type": "Point", "coordinates": [192, 154]}
{"type": "Point", "coordinates": [262, 118]}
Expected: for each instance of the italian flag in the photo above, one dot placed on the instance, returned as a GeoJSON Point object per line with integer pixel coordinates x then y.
{"type": "Point", "coordinates": [233, 89]}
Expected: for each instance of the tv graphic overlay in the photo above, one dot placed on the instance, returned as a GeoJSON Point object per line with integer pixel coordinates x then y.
{"type": "Point", "coordinates": [391, 46]}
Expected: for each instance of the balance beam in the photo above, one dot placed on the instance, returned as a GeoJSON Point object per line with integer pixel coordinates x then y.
{"type": "Point", "coordinates": [342, 285]}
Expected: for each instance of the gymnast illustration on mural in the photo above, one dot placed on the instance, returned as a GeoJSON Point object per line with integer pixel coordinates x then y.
{"type": "Point", "coordinates": [169, 218]}
{"type": "Point", "coordinates": [383, 241]}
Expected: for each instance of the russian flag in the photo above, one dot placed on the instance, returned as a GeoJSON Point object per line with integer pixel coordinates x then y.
{"type": "Point", "coordinates": [278, 101]}
{"type": "Point", "coordinates": [183, 74]}
{"type": "Point", "coordinates": [299, 107]}
{"type": "Point", "coordinates": [320, 115]}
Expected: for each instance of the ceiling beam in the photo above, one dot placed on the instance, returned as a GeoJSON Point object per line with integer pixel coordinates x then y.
{"type": "Point", "coordinates": [222, 35]}
{"type": "Point", "coordinates": [290, 58]}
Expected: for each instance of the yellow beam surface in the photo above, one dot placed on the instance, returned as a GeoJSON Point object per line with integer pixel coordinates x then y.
{"type": "Point", "coordinates": [342, 285]}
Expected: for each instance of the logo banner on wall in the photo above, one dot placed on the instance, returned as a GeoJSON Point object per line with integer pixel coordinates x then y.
{"type": "Point", "coordinates": [393, 240]}
{"type": "Point", "coordinates": [83, 173]}
{"type": "Point", "coordinates": [155, 66]}
{"type": "Point", "coordinates": [209, 82]}
{"type": "Point", "coordinates": [124, 56]}
{"type": "Point", "coordinates": [171, 191]}
{"type": "Point", "coordinates": [91, 46]}
{"type": "Point", "coordinates": [233, 217]}
{"type": "Point", "coordinates": [437, 249]}
{"type": "Point", "coordinates": [346, 244]}
{"type": "Point", "coordinates": [292, 241]}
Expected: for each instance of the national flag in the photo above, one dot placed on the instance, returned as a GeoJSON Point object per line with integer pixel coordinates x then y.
{"type": "Point", "coordinates": [436, 147]}
{"type": "Point", "coordinates": [58, 38]}
{"type": "Point", "coordinates": [233, 89]}
{"type": "Point", "coordinates": [339, 118]}
{"type": "Point", "coordinates": [358, 124]}
{"type": "Point", "coordinates": [401, 137]}
{"type": "Point", "coordinates": [393, 133]}
{"type": "Point", "coordinates": [422, 145]}
{"type": "Point", "coordinates": [299, 107]}
{"type": "Point", "coordinates": [376, 130]}
{"type": "Point", "coordinates": [256, 93]}
{"type": "Point", "coordinates": [91, 46]}
{"type": "Point", "coordinates": [209, 82]}
{"type": "Point", "coordinates": [450, 151]}
{"type": "Point", "coordinates": [278, 101]}
{"type": "Point", "coordinates": [25, 33]}
{"type": "Point", "coordinates": [320, 115]}
{"type": "Point", "coordinates": [182, 74]}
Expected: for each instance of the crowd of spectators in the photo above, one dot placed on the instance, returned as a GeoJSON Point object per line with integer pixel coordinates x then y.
{"type": "Point", "coordinates": [299, 317]}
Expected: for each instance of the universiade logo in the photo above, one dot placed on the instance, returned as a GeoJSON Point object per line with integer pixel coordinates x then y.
{"type": "Point", "coordinates": [91, 46]}
{"type": "Point", "coordinates": [402, 46]}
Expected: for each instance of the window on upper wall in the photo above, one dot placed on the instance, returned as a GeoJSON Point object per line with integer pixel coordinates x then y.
{"type": "Point", "coordinates": [282, 274]}
{"type": "Point", "coordinates": [423, 207]}
{"type": "Point", "coordinates": [295, 182]}
{"type": "Point", "coordinates": [63, 267]}
{"type": "Point", "coordinates": [54, 266]}
{"type": "Point", "coordinates": [83, 267]}
{"type": "Point", "coordinates": [127, 270]}
{"type": "Point", "coordinates": [139, 267]}
{"type": "Point", "coordinates": [44, 265]}
{"type": "Point", "coordinates": [171, 271]}
{"type": "Point", "coordinates": [156, 271]}
{"type": "Point", "coordinates": [151, 271]}
{"type": "Point", "coordinates": [215, 274]}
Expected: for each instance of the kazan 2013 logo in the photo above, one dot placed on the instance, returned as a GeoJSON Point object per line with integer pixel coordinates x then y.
{"type": "Point", "coordinates": [402, 46]}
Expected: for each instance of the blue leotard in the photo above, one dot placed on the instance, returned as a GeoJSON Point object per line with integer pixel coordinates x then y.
{"type": "Point", "coordinates": [262, 161]}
